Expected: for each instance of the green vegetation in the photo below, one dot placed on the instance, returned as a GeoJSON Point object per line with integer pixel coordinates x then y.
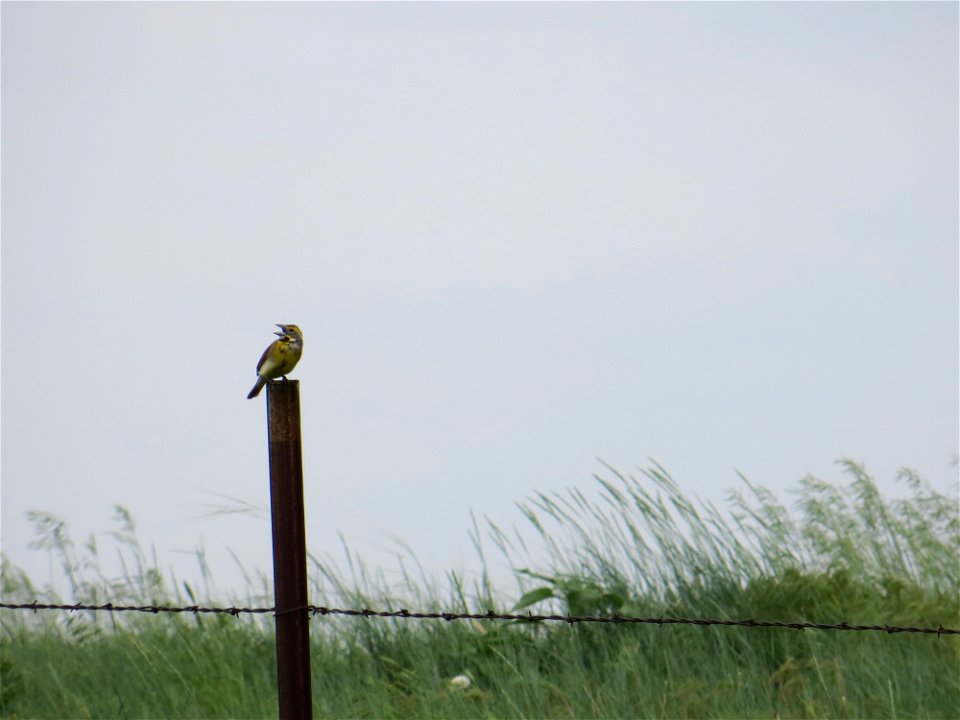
{"type": "Point", "coordinates": [633, 546]}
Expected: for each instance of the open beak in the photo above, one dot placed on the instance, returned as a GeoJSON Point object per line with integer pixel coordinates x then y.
{"type": "Point", "coordinates": [281, 334]}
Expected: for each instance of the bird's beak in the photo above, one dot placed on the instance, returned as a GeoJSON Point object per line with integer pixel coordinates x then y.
{"type": "Point", "coordinates": [283, 328]}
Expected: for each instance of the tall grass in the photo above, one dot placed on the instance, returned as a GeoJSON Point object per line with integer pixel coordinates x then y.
{"type": "Point", "coordinates": [641, 540]}
{"type": "Point", "coordinates": [629, 545]}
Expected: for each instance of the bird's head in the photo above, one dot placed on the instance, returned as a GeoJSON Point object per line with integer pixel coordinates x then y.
{"type": "Point", "coordinates": [289, 332]}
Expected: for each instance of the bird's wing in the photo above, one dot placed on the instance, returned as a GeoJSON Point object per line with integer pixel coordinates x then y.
{"type": "Point", "coordinates": [263, 358]}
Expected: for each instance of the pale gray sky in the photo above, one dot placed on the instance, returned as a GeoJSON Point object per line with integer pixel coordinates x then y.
{"type": "Point", "coordinates": [517, 237]}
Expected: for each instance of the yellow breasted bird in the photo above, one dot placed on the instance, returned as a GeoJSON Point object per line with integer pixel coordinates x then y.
{"type": "Point", "coordinates": [280, 357]}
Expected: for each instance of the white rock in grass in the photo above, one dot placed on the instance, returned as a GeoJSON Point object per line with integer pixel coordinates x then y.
{"type": "Point", "coordinates": [461, 681]}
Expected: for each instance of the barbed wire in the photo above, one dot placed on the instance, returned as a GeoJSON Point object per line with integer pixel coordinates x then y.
{"type": "Point", "coordinates": [316, 610]}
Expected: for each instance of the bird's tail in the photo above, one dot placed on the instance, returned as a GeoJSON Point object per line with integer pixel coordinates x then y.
{"type": "Point", "coordinates": [261, 381]}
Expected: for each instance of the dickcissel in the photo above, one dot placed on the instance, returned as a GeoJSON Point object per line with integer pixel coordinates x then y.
{"type": "Point", "coordinates": [280, 357]}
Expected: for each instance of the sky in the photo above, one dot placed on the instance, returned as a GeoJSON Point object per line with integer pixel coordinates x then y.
{"type": "Point", "coordinates": [520, 239]}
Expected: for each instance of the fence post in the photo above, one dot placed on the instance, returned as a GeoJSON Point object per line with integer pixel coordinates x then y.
{"type": "Point", "coordinates": [289, 551]}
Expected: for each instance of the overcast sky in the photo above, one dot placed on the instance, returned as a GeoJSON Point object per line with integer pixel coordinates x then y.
{"type": "Point", "coordinates": [517, 237]}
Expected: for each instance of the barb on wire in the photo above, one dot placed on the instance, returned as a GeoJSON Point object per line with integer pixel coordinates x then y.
{"type": "Point", "coordinates": [403, 613]}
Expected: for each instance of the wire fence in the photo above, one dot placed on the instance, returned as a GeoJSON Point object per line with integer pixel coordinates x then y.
{"type": "Point", "coordinates": [403, 614]}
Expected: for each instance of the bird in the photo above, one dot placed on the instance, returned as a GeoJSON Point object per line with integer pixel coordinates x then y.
{"type": "Point", "coordinates": [280, 357]}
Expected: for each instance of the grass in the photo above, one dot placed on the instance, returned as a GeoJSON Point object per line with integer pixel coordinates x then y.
{"type": "Point", "coordinates": [631, 545]}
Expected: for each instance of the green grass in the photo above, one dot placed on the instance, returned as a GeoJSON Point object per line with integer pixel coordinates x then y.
{"type": "Point", "coordinates": [634, 546]}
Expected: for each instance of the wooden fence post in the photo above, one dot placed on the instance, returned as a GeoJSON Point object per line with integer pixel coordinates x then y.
{"type": "Point", "coordinates": [289, 551]}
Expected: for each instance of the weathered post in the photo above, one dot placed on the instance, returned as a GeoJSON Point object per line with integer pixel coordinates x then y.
{"type": "Point", "coordinates": [289, 551]}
